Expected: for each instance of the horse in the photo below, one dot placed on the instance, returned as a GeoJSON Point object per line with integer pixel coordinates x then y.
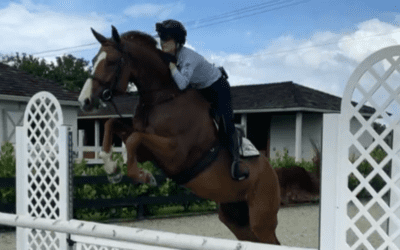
{"type": "Point", "coordinates": [176, 130]}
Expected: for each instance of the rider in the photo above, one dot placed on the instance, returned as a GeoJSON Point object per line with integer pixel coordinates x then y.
{"type": "Point", "coordinates": [188, 67]}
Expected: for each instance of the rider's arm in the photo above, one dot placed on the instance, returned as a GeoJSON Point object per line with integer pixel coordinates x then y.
{"type": "Point", "coordinates": [182, 77]}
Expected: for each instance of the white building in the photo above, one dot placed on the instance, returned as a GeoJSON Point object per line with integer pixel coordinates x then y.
{"type": "Point", "coordinates": [17, 87]}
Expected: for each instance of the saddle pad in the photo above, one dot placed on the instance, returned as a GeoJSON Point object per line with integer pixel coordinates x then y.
{"type": "Point", "coordinates": [247, 149]}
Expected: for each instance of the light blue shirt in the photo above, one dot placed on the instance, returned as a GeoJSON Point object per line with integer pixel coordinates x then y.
{"type": "Point", "coordinates": [195, 70]}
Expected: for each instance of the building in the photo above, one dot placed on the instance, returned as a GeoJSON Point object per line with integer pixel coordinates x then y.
{"type": "Point", "coordinates": [275, 117]}
{"type": "Point", "coordinates": [16, 89]}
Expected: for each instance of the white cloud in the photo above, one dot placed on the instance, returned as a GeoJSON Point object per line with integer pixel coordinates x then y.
{"type": "Point", "coordinates": [162, 11]}
{"type": "Point", "coordinates": [34, 28]}
{"type": "Point", "coordinates": [371, 36]}
{"type": "Point", "coordinates": [325, 61]}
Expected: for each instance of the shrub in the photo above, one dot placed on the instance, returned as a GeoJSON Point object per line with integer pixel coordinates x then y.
{"type": "Point", "coordinates": [7, 160]}
{"type": "Point", "coordinates": [365, 168]}
{"type": "Point", "coordinates": [286, 161]}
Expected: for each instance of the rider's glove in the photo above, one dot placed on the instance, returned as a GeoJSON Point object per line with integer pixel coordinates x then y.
{"type": "Point", "coordinates": [173, 68]}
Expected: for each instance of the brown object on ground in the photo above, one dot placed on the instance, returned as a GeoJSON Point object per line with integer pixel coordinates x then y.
{"type": "Point", "coordinates": [297, 185]}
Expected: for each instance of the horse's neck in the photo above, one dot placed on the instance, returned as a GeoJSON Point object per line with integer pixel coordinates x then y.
{"type": "Point", "coordinates": [153, 73]}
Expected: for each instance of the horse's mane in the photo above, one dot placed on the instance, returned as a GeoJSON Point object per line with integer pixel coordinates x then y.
{"type": "Point", "coordinates": [139, 37]}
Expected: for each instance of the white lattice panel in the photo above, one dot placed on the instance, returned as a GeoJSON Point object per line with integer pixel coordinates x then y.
{"type": "Point", "coordinates": [368, 156]}
{"type": "Point", "coordinates": [42, 183]}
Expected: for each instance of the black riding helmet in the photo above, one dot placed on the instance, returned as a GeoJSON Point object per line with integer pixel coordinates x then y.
{"type": "Point", "coordinates": [171, 29]}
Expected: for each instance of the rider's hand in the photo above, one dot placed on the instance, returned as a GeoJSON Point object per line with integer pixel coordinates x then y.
{"type": "Point", "coordinates": [173, 68]}
{"type": "Point", "coordinates": [169, 47]}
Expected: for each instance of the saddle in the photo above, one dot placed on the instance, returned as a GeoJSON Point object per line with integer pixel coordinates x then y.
{"type": "Point", "coordinates": [246, 148]}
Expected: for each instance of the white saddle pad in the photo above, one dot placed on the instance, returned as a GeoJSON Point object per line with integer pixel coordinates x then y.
{"type": "Point", "coordinates": [248, 149]}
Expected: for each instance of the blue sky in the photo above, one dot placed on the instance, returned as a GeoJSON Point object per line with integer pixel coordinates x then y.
{"type": "Point", "coordinates": [313, 43]}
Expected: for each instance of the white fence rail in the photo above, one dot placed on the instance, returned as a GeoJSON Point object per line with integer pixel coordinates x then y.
{"type": "Point", "coordinates": [138, 237]}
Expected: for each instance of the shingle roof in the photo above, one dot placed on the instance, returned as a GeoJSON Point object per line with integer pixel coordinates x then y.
{"type": "Point", "coordinates": [286, 96]}
{"type": "Point", "coordinates": [14, 82]}
{"type": "Point", "coordinates": [280, 96]}
{"type": "Point", "coordinates": [271, 97]}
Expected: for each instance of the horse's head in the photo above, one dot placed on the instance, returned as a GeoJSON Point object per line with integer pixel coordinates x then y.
{"type": "Point", "coordinates": [132, 57]}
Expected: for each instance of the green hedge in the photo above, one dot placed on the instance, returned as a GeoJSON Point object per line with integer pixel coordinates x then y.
{"type": "Point", "coordinates": [7, 169]}
{"type": "Point", "coordinates": [109, 191]}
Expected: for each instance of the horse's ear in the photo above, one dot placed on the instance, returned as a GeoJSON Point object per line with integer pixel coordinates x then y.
{"type": "Point", "coordinates": [99, 37]}
{"type": "Point", "coordinates": [115, 35]}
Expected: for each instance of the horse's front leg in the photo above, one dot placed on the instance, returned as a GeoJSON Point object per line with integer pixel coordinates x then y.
{"type": "Point", "coordinates": [132, 144]}
{"type": "Point", "coordinates": [109, 165]}
{"type": "Point", "coordinates": [163, 148]}
{"type": "Point", "coordinates": [122, 130]}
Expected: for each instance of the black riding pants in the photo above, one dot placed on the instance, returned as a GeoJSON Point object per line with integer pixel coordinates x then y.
{"type": "Point", "coordinates": [219, 95]}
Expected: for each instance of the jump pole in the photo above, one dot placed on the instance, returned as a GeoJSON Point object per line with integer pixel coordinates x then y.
{"type": "Point", "coordinates": [135, 235]}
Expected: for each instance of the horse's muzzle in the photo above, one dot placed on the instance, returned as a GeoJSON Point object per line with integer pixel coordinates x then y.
{"type": "Point", "coordinates": [86, 105]}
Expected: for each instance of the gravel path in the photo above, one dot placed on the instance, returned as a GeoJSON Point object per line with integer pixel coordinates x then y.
{"type": "Point", "coordinates": [297, 226]}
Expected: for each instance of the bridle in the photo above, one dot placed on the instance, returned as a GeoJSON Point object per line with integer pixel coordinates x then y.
{"type": "Point", "coordinates": [107, 94]}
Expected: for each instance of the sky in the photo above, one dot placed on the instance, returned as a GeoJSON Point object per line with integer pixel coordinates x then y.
{"type": "Point", "coordinates": [314, 43]}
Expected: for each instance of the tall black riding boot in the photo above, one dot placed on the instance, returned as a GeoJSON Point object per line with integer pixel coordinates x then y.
{"type": "Point", "coordinates": [236, 173]}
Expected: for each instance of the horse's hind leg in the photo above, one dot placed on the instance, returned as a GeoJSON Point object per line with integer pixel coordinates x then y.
{"type": "Point", "coordinates": [115, 126]}
{"type": "Point", "coordinates": [236, 217]}
{"type": "Point", "coordinates": [264, 203]}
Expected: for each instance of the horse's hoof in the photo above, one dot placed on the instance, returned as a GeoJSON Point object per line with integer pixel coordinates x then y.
{"type": "Point", "coordinates": [115, 177]}
{"type": "Point", "coordinates": [153, 181]}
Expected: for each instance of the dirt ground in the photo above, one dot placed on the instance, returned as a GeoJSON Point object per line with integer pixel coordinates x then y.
{"type": "Point", "coordinates": [297, 226]}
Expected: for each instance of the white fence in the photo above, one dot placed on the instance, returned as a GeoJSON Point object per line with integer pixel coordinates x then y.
{"type": "Point", "coordinates": [96, 149]}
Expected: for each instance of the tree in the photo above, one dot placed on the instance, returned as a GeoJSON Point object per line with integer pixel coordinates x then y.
{"type": "Point", "coordinates": [69, 71]}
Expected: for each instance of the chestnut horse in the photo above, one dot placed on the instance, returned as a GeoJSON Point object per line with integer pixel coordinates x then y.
{"type": "Point", "coordinates": [176, 130]}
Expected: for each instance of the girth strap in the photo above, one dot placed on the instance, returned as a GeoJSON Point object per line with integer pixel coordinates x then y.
{"type": "Point", "coordinates": [204, 162]}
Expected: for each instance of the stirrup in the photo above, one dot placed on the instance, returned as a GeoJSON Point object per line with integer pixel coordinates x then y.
{"type": "Point", "coordinates": [236, 173]}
